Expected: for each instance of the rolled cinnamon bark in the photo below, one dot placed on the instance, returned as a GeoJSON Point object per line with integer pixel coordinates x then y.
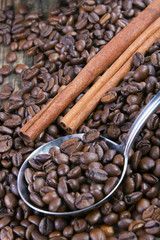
{"type": "Point", "coordinates": [103, 59]}
{"type": "Point", "coordinates": [70, 122]}
{"type": "Point", "coordinates": [77, 115]}
{"type": "Point", "coordinates": [88, 102]}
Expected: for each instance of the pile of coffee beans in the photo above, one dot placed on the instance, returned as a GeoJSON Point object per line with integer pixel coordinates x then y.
{"type": "Point", "coordinates": [74, 176]}
{"type": "Point", "coordinates": [60, 46]}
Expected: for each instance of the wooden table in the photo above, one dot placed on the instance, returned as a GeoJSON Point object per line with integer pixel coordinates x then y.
{"type": "Point", "coordinates": [34, 5]}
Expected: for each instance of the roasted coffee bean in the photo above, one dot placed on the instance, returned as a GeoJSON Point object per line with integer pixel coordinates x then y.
{"type": "Point", "coordinates": [88, 157]}
{"type": "Point", "coordinates": [17, 159]}
{"type": "Point", "coordinates": [6, 130]}
{"type": "Point", "coordinates": [36, 235]}
{"type": "Point", "coordinates": [129, 185]}
{"type": "Point", "coordinates": [113, 131]}
{"type": "Point", "coordinates": [119, 206]}
{"type": "Point", "coordinates": [127, 235]}
{"type": "Point", "coordinates": [155, 59]}
{"type": "Point", "coordinates": [35, 164]}
{"type": "Point", "coordinates": [61, 158]}
{"type": "Point", "coordinates": [110, 184]}
{"type": "Point", "coordinates": [133, 197]}
{"type": "Point", "coordinates": [20, 67]}
{"type": "Point", "coordinates": [153, 122]}
{"type": "Point", "coordinates": [29, 74]}
{"type": "Point", "coordinates": [152, 227]}
{"type": "Point", "coordinates": [6, 70]}
{"type": "Point", "coordinates": [36, 199]}
{"type": "Point", "coordinates": [10, 200]}
{"type": "Point", "coordinates": [48, 197]}
{"type": "Point", "coordinates": [82, 235]}
{"type": "Point", "coordinates": [71, 146]}
{"type": "Point", "coordinates": [68, 231]}
{"type": "Point", "coordinates": [146, 163]}
{"type": "Point", "coordinates": [141, 73]}
{"type": "Point", "coordinates": [11, 57]}
{"type": "Point", "coordinates": [80, 225]}
{"type": "Point", "coordinates": [45, 226]}
{"type": "Point", "coordinates": [135, 159]}
{"type": "Point", "coordinates": [125, 223]}
{"type": "Point", "coordinates": [6, 143]}
{"type": "Point", "coordinates": [142, 205]}
{"type": "Point", "coordinates": [136, 225]}
{"type": "Point", "coordinates": [91, 136]}
{"type": "Point", "coordinates": [97, 233]}
{"type": "Point", "coordinates": [112, 170]}
{"type": "Point", "coordinates": [63, 169]}
{"type": "Point", "coordinates": [7, 233]}
{"type": "Point", "coordinates": [138, 59]}
{"type": "Point", "coordinates": [6, 39]}
{"type": "Point", "coordinates": [74, 172]}
{"type": "Point", "coordinates": [93, 217]}
{"type": "Point", "coordinates": [98, 175]}
{"type": "Point", "coordinates": [84, 200]}
{"type": "Point", "coordinates": [111, 219]}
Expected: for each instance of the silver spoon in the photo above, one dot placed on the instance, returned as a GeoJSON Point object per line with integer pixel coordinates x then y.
{"type": "Point", "coordinates": [123, 148]}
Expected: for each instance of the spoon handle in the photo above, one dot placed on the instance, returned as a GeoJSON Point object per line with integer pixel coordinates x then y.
{"type": "Point", "coordinates": [141, 120]}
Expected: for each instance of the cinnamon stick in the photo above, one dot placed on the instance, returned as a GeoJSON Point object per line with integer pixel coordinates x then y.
{"type": "Point", "coordinates": [93, 96]}
{"type": "Point", "coordinates": [69, 118]}
{"type": "Point", "coordinates": [106, 56]}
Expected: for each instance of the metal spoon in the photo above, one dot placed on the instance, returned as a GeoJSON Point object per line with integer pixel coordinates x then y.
{"type": "Point", "coordinates": [124, 148]}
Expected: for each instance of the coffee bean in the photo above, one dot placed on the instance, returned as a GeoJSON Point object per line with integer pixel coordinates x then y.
{"type": "Point", "coordinates": [36, 199]}
{"type": "Point", "coordinates": [68, 231]}
{"type": "Point", "coordinates": [11, 57]}
{"type": "Point", "coordinates": [20, 67]}
{"type": "Point", "coordinates": [45, 226]}
{"type": "Point", "coordinates": [36, 235]}
{"type": "Point", "coordinates": [152, 227]}
{"type": "Point", "coordinates": [6, 143]}
{"type": "Point", "coordinates": [91, 136]}
{"type": "Point", "coordinates": [61, 158]}
{"type": "Point", "coordinates": [17, 159]}
{"type": "Point", "coordinates": [19, 230]}
{"type": "Point", "coordinates": [110, 184]}
{"type": "Point", "coordinates": [88, 157]}
{"type": "Point", "coordinates": [84, 200]}
{"type": "Point", "coordinates": [155, 59]}
{"type": "Point", "coordinates": [133, 197]}
{"type": "Point", "coordinates": [138, 59]}
{"type": "Point", "coordinates": [29, 74]}
{"type": "Point", "coordinates": [146, 163]}
{"type": "Point", "coordinates": [10, 200]}
{"type": "Point", "coordinates": [6, 70]}
{"type": "Point", "coordinates": [7, 233]}
{"type": "Point", "coordinates": [112, 169]}
{"type": "Point", "coordinates": [4, 221]}
{"type": "Point", "coordinates": [48, 197]}
{"type": "Point", "coordinates": [82, 235]}
{"type": "Point", "coordinates": [141, 73]}
{"type": "Point", "coordinates": [108, 230]}
{"type": "Point", "coordinates": [98, 175]}
{"type": "Point", "coordinates": [80, 225]}
{"type": "Point", "coordinates": [125, 223]}
{"type": "Point", "coordinates": [127, 235]}
{"type": "Point", "coordinates": [109, 97]}
{"type": "Point", "coordinates": [71, 146]}
{"type": "Point", "coordinates": [97, 233]}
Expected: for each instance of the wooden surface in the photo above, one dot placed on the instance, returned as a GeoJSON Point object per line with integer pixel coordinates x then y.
{"type": "Point", "coordinates": [34, 5]}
